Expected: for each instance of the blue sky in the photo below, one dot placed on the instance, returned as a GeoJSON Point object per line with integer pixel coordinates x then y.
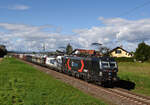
{"type": "Point", "coordinates": [66, 16]}
{"type": "Point", "coordinates": [70, 14]}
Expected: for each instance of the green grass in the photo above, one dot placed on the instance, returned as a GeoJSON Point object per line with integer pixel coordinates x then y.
{"type": "Point", "coordinates": [21, 84]}
{"type": "Point", "coordinates": [139, 73]}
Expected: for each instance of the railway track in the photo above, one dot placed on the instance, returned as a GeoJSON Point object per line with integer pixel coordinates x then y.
{"type": "Point", "coordinates": [133, 98]}
{"type": "Point", "coordinates": [137, 99]}
{"type": "Point", "coordinates": [113, 96]}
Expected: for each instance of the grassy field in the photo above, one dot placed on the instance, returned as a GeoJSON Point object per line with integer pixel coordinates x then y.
{"type": "Point", "coordinates": [139, 73]}
{"type": "Point", "coordinates": [21, 84]}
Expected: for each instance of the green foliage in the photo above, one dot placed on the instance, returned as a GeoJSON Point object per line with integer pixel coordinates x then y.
{"type": "Point", "coordinates": [21, 84]}
{"type": "Point", "coordinates": [142, 53]}
{"type": "Point", "coordinates": [85, 54]}
{"type": "Point", "coordinates": [33, 52]}
{"type": "Point", "coordinates": [136, 72]}
{"type": "Point", "coordinates": [124, 59]}
{"type": "Point", "coordinates": [69, 49]}
{"type": "Point", "coordinates": [102, 49]}
{"type": "Point", "coordinates": [3, 50]}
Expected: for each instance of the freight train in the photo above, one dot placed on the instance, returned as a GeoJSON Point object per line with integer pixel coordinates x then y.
{"type": "Point", "coordinates": [98, 70]}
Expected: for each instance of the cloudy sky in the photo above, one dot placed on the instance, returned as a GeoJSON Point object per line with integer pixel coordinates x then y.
{"type": "Point", "coordinates": [27, 25]}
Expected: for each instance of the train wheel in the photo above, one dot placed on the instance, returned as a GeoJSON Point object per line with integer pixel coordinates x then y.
{"type": "Point", "coordinates": [85, 77]}
{"type": "Point", "coordinates": [73, 74]}
{"type": "Point", "coordinates": [98, 83]}
{"type": "Point", "coordinates": [77, 75]}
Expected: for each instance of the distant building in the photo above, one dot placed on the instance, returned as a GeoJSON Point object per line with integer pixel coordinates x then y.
{"type": "Point", "coordinates": [120, 52]}
{"type": "Point", "coordinates": [83, 51]}
{"type": "Point", "coordinates": [86, 52]}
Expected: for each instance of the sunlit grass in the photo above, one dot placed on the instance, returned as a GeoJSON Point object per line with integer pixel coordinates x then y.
{"type": "Point", "coordinates": [139, 73]}
{"type": "Point", "coordinates": [21, 84]}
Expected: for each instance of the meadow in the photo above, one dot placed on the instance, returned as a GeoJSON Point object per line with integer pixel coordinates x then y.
{"type": "Point", "coordinates": [21, 84]}
{"type": "Point", "coordinates": [136, 72]}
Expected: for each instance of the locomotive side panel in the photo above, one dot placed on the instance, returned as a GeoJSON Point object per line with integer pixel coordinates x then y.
{"type": "Point", "coordinates": [78, 67]}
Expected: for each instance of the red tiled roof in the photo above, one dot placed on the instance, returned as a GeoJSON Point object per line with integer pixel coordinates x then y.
{"type": "Point", "coordinates": [86, 51]}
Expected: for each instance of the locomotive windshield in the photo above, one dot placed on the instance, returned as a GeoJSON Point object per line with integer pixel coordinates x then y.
{"type": "Point", "coordinates": [107, 65]}
{"type": "Point", "coordinates": [113, 64]}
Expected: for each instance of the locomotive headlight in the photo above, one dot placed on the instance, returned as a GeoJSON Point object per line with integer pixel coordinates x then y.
{"type": "Point", "coordinates": [85, 70]}
{"type": "Point", "coordinates": [100, 73]}
{"type": "Point", "coordinates": [115, 70]}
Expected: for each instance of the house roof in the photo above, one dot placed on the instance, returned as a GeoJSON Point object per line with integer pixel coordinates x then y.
{"type": "Point", "coordinates": [119, 48]}
{"type": "Point", "coordinates": [85, 51]}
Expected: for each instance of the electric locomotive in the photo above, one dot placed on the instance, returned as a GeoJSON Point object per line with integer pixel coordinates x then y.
{"type": "Point", "coordinates": [101, 70]}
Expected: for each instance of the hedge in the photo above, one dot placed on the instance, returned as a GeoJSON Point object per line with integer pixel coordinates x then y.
{"type": "Point", "coordinates": [124, 59]}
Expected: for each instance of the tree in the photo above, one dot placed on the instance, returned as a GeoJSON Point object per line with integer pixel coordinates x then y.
{"type": "Point", "coordinates": [69, 49]}
{"type": "Point", "coordinates": [105, 51]}
{"type": "Point", "coordinates": [142, 53]}
{"type": "Point", "coordinates": [3, 50]}
{"type": "Point", "coordinates": [102, 49]}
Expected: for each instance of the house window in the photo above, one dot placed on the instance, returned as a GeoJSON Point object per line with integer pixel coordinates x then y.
{"type": "Point", "coordinates": [118, 51]}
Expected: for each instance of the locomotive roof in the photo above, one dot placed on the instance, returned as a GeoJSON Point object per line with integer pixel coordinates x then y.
{"type": "Point", "coordinates": [91, 58]}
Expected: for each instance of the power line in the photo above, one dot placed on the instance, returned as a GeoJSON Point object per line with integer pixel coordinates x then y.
{"type": "Point", "coordinates": [137, 7]}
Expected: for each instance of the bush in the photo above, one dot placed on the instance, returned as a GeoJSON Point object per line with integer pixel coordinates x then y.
{"type": "Point", "coordinates": [124, 59]}
{"type": "Point", "coordinates": [3, 50]}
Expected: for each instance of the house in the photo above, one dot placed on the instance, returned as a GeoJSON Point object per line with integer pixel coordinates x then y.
{"type": "Point", "coordinates": [83, 51]}
{"type": "Point", "coordinates": [86, 52]}
{"type": "Point", "coordinates": [120, 52]}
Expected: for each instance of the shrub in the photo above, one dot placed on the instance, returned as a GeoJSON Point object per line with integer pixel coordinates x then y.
{"type": "Point", "coordinates": [124, 59]}
{"type": "Point", "coordinates": [3, 50]}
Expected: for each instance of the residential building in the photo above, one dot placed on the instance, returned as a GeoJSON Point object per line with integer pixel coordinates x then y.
{"type": "Point", "coordinates": [120, 52]}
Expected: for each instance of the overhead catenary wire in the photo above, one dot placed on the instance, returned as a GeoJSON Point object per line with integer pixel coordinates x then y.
{"type": "Point", "coordinates": [133, 9]}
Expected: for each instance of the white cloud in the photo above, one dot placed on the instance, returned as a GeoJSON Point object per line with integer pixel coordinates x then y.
{"type": "Point", "coordinates": [115, 31]}
{"type": "Point", "coordinates": [27, 37]}
{"type": "Point", "coordinates": [17, 7]}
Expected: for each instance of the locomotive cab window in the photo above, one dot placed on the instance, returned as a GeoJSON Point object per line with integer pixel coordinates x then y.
{"type": "Point", "coordinates": [105, 64]}
{"type": "Point", "coordinates": [113, 64]}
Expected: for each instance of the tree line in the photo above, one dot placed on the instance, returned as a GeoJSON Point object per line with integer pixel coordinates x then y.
{"type": "Point", "coordinates": [142, 53]}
